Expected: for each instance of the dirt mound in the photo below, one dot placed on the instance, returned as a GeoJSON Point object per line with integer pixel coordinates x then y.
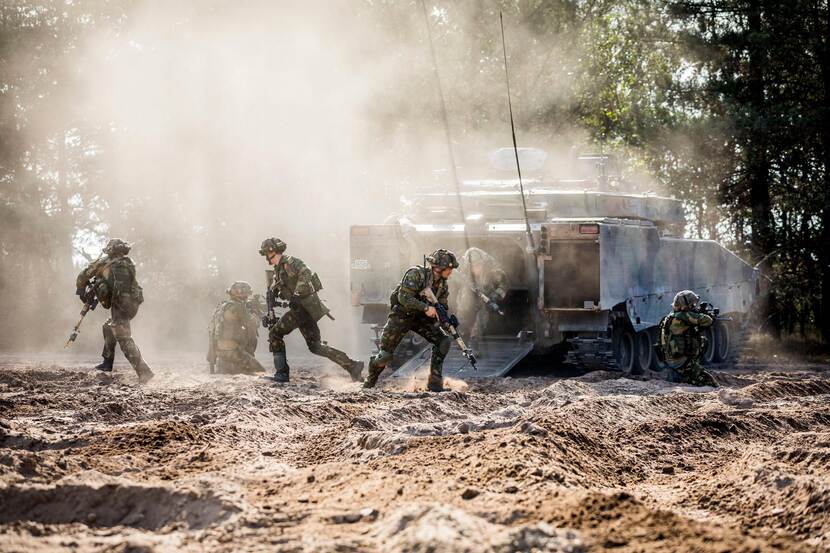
{"type": "Point", "coordinates": [114, 503]}
{"type": "Point", "coordinates": [441, 527]}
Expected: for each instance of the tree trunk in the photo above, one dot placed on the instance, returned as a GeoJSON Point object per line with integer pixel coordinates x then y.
{"type": "Point", "coordinates": [824, 250]}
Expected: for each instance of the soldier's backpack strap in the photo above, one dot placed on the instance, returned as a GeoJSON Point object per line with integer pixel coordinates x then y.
{"type": "Point", "coordinates": [427, 272]}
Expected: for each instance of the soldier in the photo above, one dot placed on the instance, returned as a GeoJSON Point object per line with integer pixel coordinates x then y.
{"type": "Point", "coordinates": [233, 333]}
{"type": "Point", "coordinates": [680, 337]}
{"type": "Point", "coordinates": [411, 312]}
{"type": "Point", "coordinates": [295, 282]}
{"type": "Point", "coordinates": [484, 288]}
{"type": "Point", "coordinates": [114, 283]}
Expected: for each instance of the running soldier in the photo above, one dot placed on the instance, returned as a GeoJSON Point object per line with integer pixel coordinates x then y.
{"type": "Point", "coordinates": [294, 282]}
{"type": "Point", "coordinates": [483, 291]}
{"type": "Point", "coordinates": [113, 281]}
{"type": "Point", "coordinates": [410, 311]}
{"type": "Point", "coordinates": [233, 333]}
{"type": "Point", "coordinates": [680, 337]}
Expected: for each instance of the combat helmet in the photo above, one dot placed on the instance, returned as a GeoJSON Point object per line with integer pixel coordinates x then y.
{"type": "Point", "coordinates": [475, 256]}
{"type": "Point", "coordinates": [442, 259]}
{"type": "Point", "coordinates": [116, 246]}
{"type": "Point", "coordinates": [240, 288]}
{"type": "Point", "coordinates": [272, 245]}
{"type": "Point", "coordinates": [685, 301]}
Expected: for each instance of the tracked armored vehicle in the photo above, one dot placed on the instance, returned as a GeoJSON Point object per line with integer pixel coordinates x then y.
{"type": "Point", "coordinates": [603, 271]}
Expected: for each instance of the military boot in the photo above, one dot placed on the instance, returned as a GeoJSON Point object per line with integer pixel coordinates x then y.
{"type": "Point", "coordinates": [435, 382]}
{"type": "Point", "coordinates": [144, 373]}
{"type": "Point", "coordinates": [281, 367]}
{"type": "Point", "coordinates": [355, 369]}
{"type": "Point", "coordinates": [373, 374]}
{"type": "Point", "coordinates": [106, 364]}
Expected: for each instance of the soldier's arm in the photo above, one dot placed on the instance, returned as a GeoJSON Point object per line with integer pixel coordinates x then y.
{"type": "Point", "coordinates": [694, 319]}
{"type": "Point", "coordinates": [304, 287]}
{"type": "Point", "coordinates": [411, 285]}
{"type": "Point", "coordinates": [500, 290]}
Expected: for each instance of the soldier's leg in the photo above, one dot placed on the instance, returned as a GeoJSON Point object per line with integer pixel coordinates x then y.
{"type": "Point", "coordinates": [440, 346]}
{"type": "Point", "coordinates": [108, 352]}
{"type": "Point", "coordinates": [393, 332]}
{"type": "Point", "coordinates": [694, 374]}
{"type": "Point", "coordinates": [238, 362]}
{"type": "Point", "coordinates": [123, 335]}
{"type": "Point", "coordinates": [276, 343]}
{"type": "Point", "coordinates": [311, 332]}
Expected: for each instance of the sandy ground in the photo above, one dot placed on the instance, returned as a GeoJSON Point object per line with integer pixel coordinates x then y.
{"type": "Point", "coordinates": [193, 462]}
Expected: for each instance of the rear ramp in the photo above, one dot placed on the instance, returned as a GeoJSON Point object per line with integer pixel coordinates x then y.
{"type": "Point", "coordinates": [496, 356]}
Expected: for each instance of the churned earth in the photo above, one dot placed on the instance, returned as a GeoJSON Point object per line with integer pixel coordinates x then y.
{"type": "Point", "coordinates": [193, 462]}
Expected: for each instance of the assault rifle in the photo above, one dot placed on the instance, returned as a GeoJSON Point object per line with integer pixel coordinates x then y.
{"type": "Point", "coordinates": [449, 325]}
{"type": "Point", "coordinates": [90, 303]}
{"type": "Point", "coordinates": [491, 304]}
{"type": "Point", "coordinates": [271, 302]}
{"type": "Point", "coordinates": [708, 309]}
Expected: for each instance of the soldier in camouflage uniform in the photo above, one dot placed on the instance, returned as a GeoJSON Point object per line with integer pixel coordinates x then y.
{"type": "Point", "coordinates": [680, 337]}
{"type": "Point", "coordinates": [295, 282]}
{"type": "Point", "coordinates": [114, 283]}
{"type": "Point", "coordinates": [233, 333]}
{"type": "Point", "coordinates": [480, 275]}
{"type": "Point", "coordinates": [410, 311]}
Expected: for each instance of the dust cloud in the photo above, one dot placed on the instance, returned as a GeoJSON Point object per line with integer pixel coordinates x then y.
{"type": "Point", "coordinates": [219, 124]}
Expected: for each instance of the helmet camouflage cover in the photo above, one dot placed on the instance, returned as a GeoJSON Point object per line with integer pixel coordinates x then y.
{"type": "Point", "coordinates": [685, 301]}
{"type": "Point", "coordinates": [443, 259]}
{"type": "Point", "coordinates": [272, 245]}
{"type": "Point", "coordinates": [116, 246]}
{"type": "Point", "coordinates": [240, 288]}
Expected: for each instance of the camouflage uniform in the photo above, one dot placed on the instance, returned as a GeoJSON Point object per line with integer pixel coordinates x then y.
{"type": "Point", "coordinates": [118, 290]}
{"type": "Point", "coordinates": [491, 281]}
{"type": "Point", "coordinates": [294, 281]}
{"type": "Point", "coordinates": [681, 338]}
{"type": "Point", "coordinates": [233, 335]}
{"type": "Point", "coordinates": [408, 314]}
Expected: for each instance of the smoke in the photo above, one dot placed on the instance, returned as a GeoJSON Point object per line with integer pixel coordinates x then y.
{"type": "Point", "coordinates": [218, 124]}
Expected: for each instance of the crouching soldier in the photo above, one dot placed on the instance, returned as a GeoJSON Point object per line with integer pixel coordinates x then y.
{"type": "Point", "coordinates": [411, 311]}
{"type": "Point", "coordinates": [233, 333]}
{"type": "Point", "coordinates": [113, 281]}
{"type": "Point", "coordinates": [483, 291]}
{"type": "Point", "coordinates": [680, 337]}
{"type": "Point", "coordinates": [294, 282]}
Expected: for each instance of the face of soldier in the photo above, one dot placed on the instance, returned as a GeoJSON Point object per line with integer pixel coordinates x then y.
{"type": "Point", "coordinates": [273, 257]}
{"type": "Point", "coordinates": [446, 272]}
{"type": "Point", "coordinates": [241, 296]}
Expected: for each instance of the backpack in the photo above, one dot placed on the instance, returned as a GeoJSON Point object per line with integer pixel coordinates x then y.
{"type": "Point", "coordinates": [125, 291]}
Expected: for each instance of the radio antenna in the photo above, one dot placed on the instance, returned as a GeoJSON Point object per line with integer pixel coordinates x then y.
{"type": "Point", "coordinates": [530, 244]}
{"type": "Point", "coordinates": [446, 122]}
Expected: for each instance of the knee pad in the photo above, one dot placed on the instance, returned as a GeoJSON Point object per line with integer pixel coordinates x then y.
{"type": "Point", "coordinates": [381, 359]}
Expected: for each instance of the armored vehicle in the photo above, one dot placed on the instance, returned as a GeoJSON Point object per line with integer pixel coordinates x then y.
{"type": "Point", "coordinates": [602, 272]}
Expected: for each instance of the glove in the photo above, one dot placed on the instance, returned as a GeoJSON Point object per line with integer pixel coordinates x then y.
{"type": "Point", "coordinates": [493, 306]}
{"type": "Point", "coordinates": [81, 293]}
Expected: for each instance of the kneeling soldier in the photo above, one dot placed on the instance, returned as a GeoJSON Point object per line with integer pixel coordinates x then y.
{"type": "Point", "coordinates": [232, 333]}
{"type": "Point", "coordinates": [680, 337]}
{"type": "Point", "coordinates": [411, 312]}
{"type": "Point", "coordinates": [295, 282]}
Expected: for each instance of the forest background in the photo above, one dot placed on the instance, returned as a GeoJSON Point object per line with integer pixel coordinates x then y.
{"type": "Point", "coordinates": [196, 129]}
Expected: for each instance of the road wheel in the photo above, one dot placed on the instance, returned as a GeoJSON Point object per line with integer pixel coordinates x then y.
{"type": "Point", "coordinates": [644, 349]}
{"type": "Point", "coordinates": [707, 356]}
{"type": "Point", "coordinates": [723, 342]}
{"type": "Point", "coordinates": [624, 350]}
